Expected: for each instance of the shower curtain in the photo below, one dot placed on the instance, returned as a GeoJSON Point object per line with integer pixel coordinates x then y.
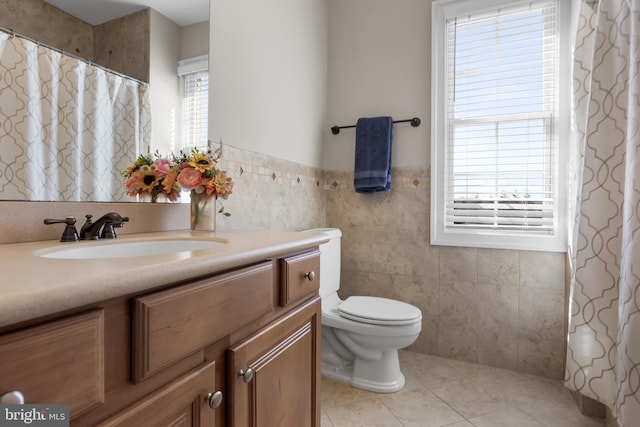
{"type": "Point", "coordinates": [68, 129]}
{"type": "Point", "coordinates": [603, 352]}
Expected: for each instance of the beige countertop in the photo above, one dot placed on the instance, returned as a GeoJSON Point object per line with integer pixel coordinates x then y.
{"type": "Point", "coordinates": [32, 286]}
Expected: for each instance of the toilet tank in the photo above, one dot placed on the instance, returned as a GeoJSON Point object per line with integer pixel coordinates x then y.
{"type": "Point", "coordinates": [329, 261]}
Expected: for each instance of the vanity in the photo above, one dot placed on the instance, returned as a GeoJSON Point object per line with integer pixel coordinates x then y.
{"type": "Point", "coordinates": [226, 335]}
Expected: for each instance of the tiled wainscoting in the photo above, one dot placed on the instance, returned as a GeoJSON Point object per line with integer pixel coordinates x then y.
{"type": "Point", "coordinates": [272, 193]}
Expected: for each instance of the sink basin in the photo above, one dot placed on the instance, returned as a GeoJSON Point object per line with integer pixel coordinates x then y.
{"type": "Point", "coordinates": [90, 250]}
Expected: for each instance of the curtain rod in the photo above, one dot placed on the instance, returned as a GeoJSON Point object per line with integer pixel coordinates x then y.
{"type": "Point", "coordinates": [415, 122]}
{"type": "Point", "coordinates": [12, 33]}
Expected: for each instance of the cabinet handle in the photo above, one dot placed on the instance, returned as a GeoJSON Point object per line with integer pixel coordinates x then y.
{"type": "Point", "coordinates": [246, 376]}
{"type": "Point", "coordinates": [214, 399]}
{"type": "Point", "coordinates": [310, 275]}
{"type": "Point", "coordinates": [12, 398]}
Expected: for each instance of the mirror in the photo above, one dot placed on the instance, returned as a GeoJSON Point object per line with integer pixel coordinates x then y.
{"type": "Point", "coordinates": [114, 34]}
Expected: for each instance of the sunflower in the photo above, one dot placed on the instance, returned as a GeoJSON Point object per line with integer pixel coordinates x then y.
{"type": "Point", "coordinates": [169, 183]}
{"type": "Point", "coordinates": [141, 160]}
{"type": "Point", "coordinates": [145, 178]}
{"type": "Point", "coordinates": [202, 162]}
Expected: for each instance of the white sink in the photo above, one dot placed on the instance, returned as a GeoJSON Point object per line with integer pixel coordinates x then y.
{"type": "Point", "coordinates": [92, 250]}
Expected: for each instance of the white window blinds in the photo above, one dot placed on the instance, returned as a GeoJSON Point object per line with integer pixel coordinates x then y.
{"type": "Point", "coordinates": [502, 99]}
{"type": "Point", "coordinates": [195, 108]}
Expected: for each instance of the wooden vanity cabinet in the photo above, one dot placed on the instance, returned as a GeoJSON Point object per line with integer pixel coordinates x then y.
{"type": "Point", "coordinates": [273, 357]}
{"type": "Point", "coordinates": [166, 356]}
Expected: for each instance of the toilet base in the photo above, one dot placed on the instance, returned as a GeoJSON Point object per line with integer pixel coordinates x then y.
{"type": "Point", "coordinates": [380, 376]}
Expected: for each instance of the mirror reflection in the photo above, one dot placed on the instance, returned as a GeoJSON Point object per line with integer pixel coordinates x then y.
{"type": "Point", "coordinates": [90, 124]}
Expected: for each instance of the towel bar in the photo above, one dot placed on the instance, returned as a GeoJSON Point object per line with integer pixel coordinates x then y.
{"type": "Point", "coordinates": [415, 122]}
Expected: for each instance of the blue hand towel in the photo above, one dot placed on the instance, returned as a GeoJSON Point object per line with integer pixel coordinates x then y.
{"type": "Point", "coordinates": [372, 170]}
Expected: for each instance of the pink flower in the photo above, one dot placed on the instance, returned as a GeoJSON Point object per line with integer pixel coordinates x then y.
{"type": "Point", "coordinates": [163, 166]}
{"type": "Point", "coordinates": [190, 178]}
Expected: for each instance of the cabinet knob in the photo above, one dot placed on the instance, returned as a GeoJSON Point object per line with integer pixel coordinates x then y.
{"type": "Point", "coordinates": [310, 275]}
{"type": "Point", "coordinates": [246, 376]}
{"type": "Point", "coordinates": [12, 398]}
{"type": "Point", "coordinates": [214, 399]}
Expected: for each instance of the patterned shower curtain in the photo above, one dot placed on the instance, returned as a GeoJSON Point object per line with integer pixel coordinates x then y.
{"type": "Point", "coordinates": [67, 128]}
{"type": "Point", "coordinates": [603, 353]}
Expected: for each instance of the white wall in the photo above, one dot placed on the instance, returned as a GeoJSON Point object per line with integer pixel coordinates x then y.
{"type": "Point", "coordinates": [194, 40]}
{"type": "Point", "coordinates": [379, 65]}
{"type": "Point", "coordinates": [268, 63]}
{"type": "Point", "coordinates": [164, 88]}
{"type": "Point", "coordinates": [170, 43]}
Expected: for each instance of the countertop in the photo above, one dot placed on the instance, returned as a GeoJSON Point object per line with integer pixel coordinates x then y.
{"type": "Point", "coordinates": [32, 286]}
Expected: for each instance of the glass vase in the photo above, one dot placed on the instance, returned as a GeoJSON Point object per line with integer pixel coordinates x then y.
{"type": "Point", "coordinates": [149, 197]}
{"type": "Point", "coordinates": [203, 212]}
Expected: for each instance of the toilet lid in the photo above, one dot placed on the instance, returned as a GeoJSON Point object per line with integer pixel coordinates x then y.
{"type": "Point", "coordinates": [379, 311]}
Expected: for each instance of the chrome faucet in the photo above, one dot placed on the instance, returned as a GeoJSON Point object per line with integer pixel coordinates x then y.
{"type": "Point", "coordinates": [91, 230]}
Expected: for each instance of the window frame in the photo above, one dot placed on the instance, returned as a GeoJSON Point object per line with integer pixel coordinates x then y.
{"type": "Point", "coordinates": [497, 239]}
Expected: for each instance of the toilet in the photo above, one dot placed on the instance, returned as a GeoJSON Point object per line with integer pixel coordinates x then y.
{"type": "Point", "coordinates": [361, 335]}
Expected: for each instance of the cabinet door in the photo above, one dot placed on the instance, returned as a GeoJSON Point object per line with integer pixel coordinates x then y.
{"type": "Point", "coordinates": [184, 402]}
{"type": "Point", "coordinates": [274, 376]}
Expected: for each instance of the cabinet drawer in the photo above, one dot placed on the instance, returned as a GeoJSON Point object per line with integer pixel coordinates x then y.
{"type": "Point", "coordinates": [58, 362]}
{"type": "Point", "coordinates": [300, 276]}
{"type": "Point", "coordinates": [171, 324]}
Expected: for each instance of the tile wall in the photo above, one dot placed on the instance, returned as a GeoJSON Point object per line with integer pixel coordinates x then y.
{"type": "Point", "coordinates": [124, 44]}
{"type": "Point", "coordinates": [501, 308]}
{"type": "Point", "coordinates": [46, 23]}
{"type": "Point", "coordinates": [271, 193]}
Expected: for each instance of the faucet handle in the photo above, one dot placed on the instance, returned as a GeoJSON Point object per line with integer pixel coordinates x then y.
{"type": "Point", "coordinates": [70, 234]}
{"type": "Point", "coordinates": [115, 221]}
{"type": "Point", "coordinates": [108, 232]}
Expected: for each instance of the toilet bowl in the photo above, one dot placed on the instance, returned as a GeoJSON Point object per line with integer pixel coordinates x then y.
{"type": "Point", "coordinates": [361, 335]}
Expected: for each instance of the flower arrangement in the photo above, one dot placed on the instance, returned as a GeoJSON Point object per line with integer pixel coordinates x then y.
{"type": "Point", "coordinates": [197, 172]}
{"type": "Point", "coordinates": [152, 176]}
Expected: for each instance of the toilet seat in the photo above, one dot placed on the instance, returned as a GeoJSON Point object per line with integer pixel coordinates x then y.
{"type": "Point", "coordinates": [379, 311]}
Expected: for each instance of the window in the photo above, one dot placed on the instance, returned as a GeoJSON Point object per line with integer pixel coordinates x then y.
{"type": "Point", "coordinates": [497, 121]}
{"type": "Point", "coordinates": [195, 103]}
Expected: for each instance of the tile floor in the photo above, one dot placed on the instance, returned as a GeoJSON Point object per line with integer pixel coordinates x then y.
{"type": "Point", "coordinates": [443, 392]}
